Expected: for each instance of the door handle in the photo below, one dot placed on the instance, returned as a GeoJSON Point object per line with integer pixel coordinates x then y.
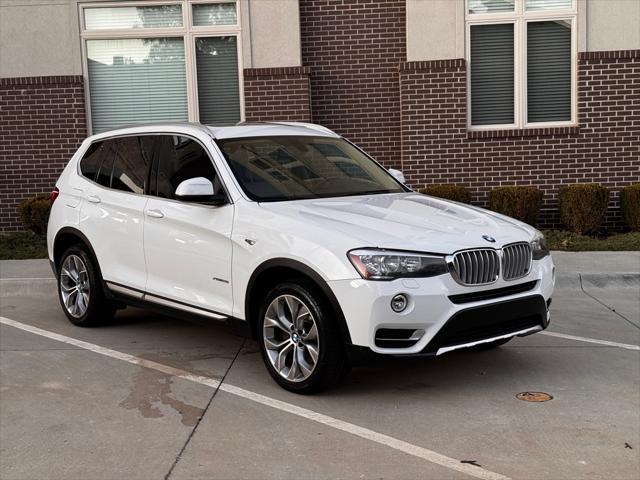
{"type": "Point", "coordinates": [94, 199]}
{"type": "Point", "coordinates": [154, 213]}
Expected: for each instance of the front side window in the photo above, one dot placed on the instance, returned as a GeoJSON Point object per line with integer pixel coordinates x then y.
{"type": "Point", "coordinates": [300, 167]}
{"type": "Point", "coordinates": [521, 69]}
{"type": "Point", "coordinates": [170, 62]}
{"type": "Point", "coordinates": [178, 159]}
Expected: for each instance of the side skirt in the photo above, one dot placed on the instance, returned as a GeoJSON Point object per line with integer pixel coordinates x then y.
{"type": "Point", "coordinates": [164, 306]}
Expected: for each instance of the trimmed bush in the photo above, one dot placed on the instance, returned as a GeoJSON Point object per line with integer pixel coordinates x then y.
{"type": "Point", "coordinates": [583, 206]}
{"type": "Point", "coordinates": [456, 193]}
{"type": "Point", "coordinates": [517, 201]}
{"type": "Point", "coordinates": [630, 204]}
{"type": "Point", "coordinates": [34, 213]}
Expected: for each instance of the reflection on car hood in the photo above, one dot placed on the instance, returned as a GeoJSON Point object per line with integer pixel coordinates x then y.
{"type": "Point", "coordinates": [406, 221]}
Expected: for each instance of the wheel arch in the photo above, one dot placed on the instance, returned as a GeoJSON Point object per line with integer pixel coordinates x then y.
{"type": "Point", "coordinates": [65, 238]}
{"type": "Point", "coordinates": [278, 269]}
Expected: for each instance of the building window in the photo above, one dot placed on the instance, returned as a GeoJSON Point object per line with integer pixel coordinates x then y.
{"type": "Point", "coordinates": [521, 60]}
{"type": "Point", "coordinates": [162, 61]}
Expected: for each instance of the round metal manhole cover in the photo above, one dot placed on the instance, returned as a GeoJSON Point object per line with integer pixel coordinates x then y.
{"type": "Point", "coordinates": [534, 396]}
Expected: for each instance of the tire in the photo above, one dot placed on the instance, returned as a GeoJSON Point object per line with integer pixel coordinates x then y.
{"type": "Point", "coordinates": [490, 346]}
{"type": "Point", "coordinates": [321, 359]}
{"type": "Point", "coordinates": [80, 289]}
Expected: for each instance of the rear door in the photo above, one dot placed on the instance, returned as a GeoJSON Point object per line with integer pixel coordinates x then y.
{"type": "Point", "coordinates": [112, 210]}
{"type": "Point", "coordinates": [187, 245]}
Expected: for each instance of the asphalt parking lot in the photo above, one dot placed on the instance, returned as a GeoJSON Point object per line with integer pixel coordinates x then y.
{"type": "Point", "coordinates": [150, 397]}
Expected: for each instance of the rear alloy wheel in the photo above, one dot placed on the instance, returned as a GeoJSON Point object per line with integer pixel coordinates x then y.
{"type": "Point", "coordinates": [80, 289]}
{"type": "Point", "coordinates": [75, 289]}
{"type": "Point", "coordinates": [299, 339]}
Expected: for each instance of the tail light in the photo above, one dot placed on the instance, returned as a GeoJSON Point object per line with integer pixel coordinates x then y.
{"type": "Point", "coordinates": [54, 194]}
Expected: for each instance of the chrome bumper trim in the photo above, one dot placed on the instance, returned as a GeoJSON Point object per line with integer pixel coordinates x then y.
{"type": "Point", "coordinates": [518, 333]}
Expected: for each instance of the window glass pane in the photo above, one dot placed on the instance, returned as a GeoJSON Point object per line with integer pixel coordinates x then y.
{"type": "Point", "coordinates": [129, 167]}
{"type": "Point", "coordinates": [104, 174]}
{"type": "Point", "coordinates": [491, 6]}
{"type": "Point", "coordinates": [492, 74]}
{"type": "Point", "coordinates": [179, 159]}
{"type": "Point", "coordinates": [535, 5]}
{"type": "Point", "coordinates": [136, 80]}
{"type": "Point", "coordinates": [218, 85]}
{"type": "Point", "coordinates": [548, 71]}
{"type": "Point", "coordinates": [214, 14]}
{"type": "Point", "coordinates": [90, 163]}
{"type": "Point", "coordinates": [153, 16]}
{"type": "Point", "coordinates": [290, 168]}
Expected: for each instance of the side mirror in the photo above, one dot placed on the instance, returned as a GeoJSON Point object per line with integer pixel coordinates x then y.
{"type": "Point", "coordinates": [199, 190]}
{"type": "Point", "coordinates": [398, 175]}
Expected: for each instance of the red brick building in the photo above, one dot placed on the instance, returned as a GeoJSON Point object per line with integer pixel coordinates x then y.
{"type": "Point", "coordinates": [475, 92]}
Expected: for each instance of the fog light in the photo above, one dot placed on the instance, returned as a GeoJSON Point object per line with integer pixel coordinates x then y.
{"type": "Point", "coordinates": [399, 303]}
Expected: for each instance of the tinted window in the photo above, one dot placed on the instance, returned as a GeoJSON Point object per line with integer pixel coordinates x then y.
{"type": "Point", "coordinates": [296, 167]}
{"type": "Point", "coordinates": [180, 158]}
{"type": "Point", "coordinates": [91, 161]}
{"type": "Point", "coordinates": [103, 177]}
{"type": "Point", "coordinates": [117, 163]}
{"type": "Point", "coordinates": [130, 167]}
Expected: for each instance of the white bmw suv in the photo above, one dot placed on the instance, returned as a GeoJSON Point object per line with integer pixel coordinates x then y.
{"type": "Point", "coordinates": [296, 233]}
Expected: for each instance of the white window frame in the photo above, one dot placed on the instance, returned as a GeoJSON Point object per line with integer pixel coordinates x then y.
{"type": "Point", "coordinates": [520, 19]}
{"type": "Point", "coordinates": [188, 32]}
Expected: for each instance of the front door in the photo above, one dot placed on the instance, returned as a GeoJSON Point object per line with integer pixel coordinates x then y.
{"type": "Point", "coordinates": [187, 245]}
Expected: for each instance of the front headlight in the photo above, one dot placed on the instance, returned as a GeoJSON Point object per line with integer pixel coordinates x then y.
{"type": "Point", "coordinates": [388, 264]}
{"type": "Point", "coordinates": [539, 248]}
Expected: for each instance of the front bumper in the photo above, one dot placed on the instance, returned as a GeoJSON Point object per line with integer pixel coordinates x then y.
{"type": "Point", "coordinates": [443, 314]}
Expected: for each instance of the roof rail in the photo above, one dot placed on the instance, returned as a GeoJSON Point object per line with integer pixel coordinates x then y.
{"type": "Point", "coordinates": [312, 126]}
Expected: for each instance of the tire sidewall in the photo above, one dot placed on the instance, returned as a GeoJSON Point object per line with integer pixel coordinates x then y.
{"type": "Point", "coordinates": [322, 319]}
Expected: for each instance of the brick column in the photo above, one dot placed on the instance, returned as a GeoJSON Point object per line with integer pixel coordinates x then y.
{"type": "Point", "coordinates": [42, 123]}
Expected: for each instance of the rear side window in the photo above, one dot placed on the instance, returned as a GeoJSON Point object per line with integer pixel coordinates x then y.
{"type": "Point", "coordinates": [117, 163]}
{"type": "Point", "coordinates": [180, 158]}
{"type": "Point", "coordinates": [130, 167]}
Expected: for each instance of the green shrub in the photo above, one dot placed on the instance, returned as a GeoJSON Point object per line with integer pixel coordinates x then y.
{"type": "Point", "coordinates": [583, 206]}
{"type": "Point", "coordinates": [630, 203]}
{"type": "Point", "coordinates": [457, 193]}
{"type": "Point", "coordinates": [521, 202]}
{"type": "Point", "coordinates": [34, 213]}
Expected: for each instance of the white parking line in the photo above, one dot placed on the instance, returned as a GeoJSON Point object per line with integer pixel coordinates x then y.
{"type": "Point", "coordinates": [290, 408]}
{"type": "Point", "coordinates": [626, 346]}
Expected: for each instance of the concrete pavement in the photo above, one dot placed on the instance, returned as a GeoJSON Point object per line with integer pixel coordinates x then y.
{"type": "Point", "coordinates": [69, 412]}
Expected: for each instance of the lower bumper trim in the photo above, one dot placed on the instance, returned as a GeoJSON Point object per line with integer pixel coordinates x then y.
{"type": "Point", "coordinates": [519, 333]}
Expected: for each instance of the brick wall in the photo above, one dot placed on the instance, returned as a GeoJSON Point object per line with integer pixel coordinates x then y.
{"type": "Point", "coordinates": [604, 148]}
{"type": "Point", "coordinates": [42, 123]}
{"type": "Point", "coordinates": [353, 48]}
{"type": "Point", "coordinates": [277, 94]}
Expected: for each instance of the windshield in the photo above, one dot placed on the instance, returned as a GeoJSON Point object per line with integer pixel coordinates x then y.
{"type": "Point", "coordinates": [299, 167]}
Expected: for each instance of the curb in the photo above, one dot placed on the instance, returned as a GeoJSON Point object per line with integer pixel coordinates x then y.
{"type": "Point", "coordinates": [598, 280]}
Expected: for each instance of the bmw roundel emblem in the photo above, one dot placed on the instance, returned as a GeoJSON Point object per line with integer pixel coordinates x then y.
{"type": "Point", "coordinates": [489, 239]}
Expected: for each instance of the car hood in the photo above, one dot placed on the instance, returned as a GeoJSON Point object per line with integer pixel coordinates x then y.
{"type": "Point", "coordinates": [405, 221]}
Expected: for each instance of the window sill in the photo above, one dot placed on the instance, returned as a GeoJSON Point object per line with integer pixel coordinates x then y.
{"type": "Point", "coordinates": [524, 132]}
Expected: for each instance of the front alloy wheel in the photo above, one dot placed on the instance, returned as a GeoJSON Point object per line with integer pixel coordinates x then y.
{"type": "Point", "coordinates": [291, 338]}
{"type": "Point", "coordinates": [300, 342]}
